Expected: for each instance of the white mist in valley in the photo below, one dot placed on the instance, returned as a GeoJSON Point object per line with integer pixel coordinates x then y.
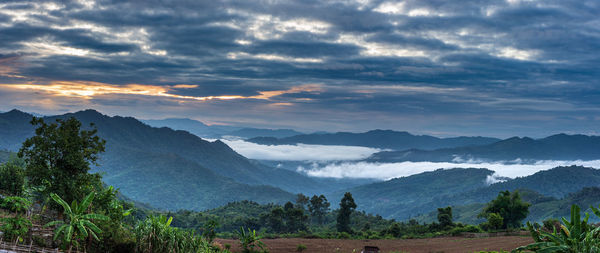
{"type": "Point", "coordinates": [385, 171]}
{"type": "Point", "coordinates": [300, 152]}
{"type": "Point", "coordinates": [343, 162]}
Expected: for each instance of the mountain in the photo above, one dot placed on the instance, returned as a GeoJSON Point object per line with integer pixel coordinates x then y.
{"type": "Point", "coordinates": [402, 198]}
{"type": "Point", "coordinates": [255, 132]}
{"type": "Point", "coordinates": [555, 147]}
{"type": "Point", "coordinates": [4, 156]}
{"type": "Point", "coordinates": [384, 139]}
{"type": "Point", "coordinates": [14, 129]}
{"type": "Point", "coordinates": [407, 197]}
{"type": "Point", "coordinates": [215, 132]}
{"type": "Point", "coordinates": [172, 169]}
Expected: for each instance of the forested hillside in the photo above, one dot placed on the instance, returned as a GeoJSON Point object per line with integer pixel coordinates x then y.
{"type": "Point", "coordinates": [151, 164]}
{"type": "Point", "coordinates": [420, 194]}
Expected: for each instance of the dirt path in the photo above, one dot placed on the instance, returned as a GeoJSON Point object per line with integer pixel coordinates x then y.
{"type": "Point", "coordinates": [442, 244]}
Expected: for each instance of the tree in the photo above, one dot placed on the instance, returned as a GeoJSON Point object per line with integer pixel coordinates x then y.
{"type": "Point", "coordinates": [301, 201]}
{"type": "Point", "coordinates": [347, 206]}
{"type": "Point", "coordinates": [318, 207]}
{"type": "Point", "coordinates": [510, 207]}
{"type": "Point", "coordinates": [275, 219]}
{"type": "Point", "coordinates": [78, 224]}
{"type": "Point", "coordinates": [12, 178]}
{"type": "Point", "coordinates": [59, 158]}
{"type": "Point", "coordinates": [295, 220]}
{"type": "Point", "coordinates": [445, 216]}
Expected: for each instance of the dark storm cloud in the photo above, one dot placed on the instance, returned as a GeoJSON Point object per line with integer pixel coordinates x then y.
{"type": "Point", "coordinates": [393, 59]}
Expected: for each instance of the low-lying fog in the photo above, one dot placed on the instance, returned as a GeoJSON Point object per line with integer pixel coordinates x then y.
{"type": "Point", "coordinates": [343, 162]}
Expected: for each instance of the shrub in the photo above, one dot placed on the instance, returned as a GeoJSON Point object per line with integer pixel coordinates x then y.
{"type": "Point", "coordinates": [15, 228]}
{"type": "Point", "coordinates": [12, 178]}
{"type": "Point", "coordinates": [467, 229]}
{"type": "Point", "coordinates": [301, 247]}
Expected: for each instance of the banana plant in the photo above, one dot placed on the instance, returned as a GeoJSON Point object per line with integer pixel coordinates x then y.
{"type": "Point", "coordinates": [574, 236]}
{"type": "Point", "coordinates": [250, 241]}
{"type": "Point", "coordinates": [78, 223]}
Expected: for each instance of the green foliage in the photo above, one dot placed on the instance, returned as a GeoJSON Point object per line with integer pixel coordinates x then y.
{"type": "Point", "coordinates": [208, 232]}
{"type": "Point", "coordinates": [116, 232]}
{"type": "Point", "coordinates": [250, 241]}
{"type": "Point", "coordinates": [15, 204]}
{"type": "Point", "coordinates": [445, 216]}
{"type": "Point", "coordinates": [574, 236]}
{"type": "Point", "coordinates": [347, 206]}
{"type": "Point", "coordinates": [510, 207]}
{"type": "Point", "coordinates": [78, 223]}
{"type": "Point", "coordinates": [15, 228]}
{"type": "Point", "coordinates": [318, 207]}
{"type": "Point", "coordinates": [468, 229]}
{"type": "Point", "coordinates": [155, 235]}
{"type": "Point", "coordinates": [302, 201]}
{"type": "Point", "coordinates": [12, 178]}
{"type": "Point", "coordinates": [59, 158]}
{"type": "Point", "coordinates": [301, 247]}
{"type": "Point", "coordinates": [494, 221]}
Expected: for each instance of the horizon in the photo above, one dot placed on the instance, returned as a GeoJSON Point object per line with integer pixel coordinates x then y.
{"type": "Point", "coordinates": [491, 68]}
{"type": "Point", "coordinates": [302, 132]}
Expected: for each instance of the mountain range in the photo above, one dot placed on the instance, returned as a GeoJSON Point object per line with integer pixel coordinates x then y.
{"type": "Point", "coordinates": [555, 147]}
{"type": "Point", "coordinates": [175, 169]}
{"type": "Point", "coordinates": [383, 139]}
{"type": "Point", "coordinates": [218, 131]}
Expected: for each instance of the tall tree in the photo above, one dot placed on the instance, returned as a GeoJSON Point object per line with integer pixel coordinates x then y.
{"type": "Point", "coordinates": [318, 207]}
{"type": "Point", "coordinates": [295, 219]}
{"type": "Point", "coordinates": [347, 206]}
{"type": "Point", "coordinates": [510, 207]}
{"type": "Point", "coordinates": [59, 158]}
{"type": "Point", "coordinates": [445, 216]}
{"type": "Point", "coordinates": [302, 201]}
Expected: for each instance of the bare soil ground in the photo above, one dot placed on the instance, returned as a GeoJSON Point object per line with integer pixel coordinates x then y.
{"type": "Point", "coordinates": [440, 244]}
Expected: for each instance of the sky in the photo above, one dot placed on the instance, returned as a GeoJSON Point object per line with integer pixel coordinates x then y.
{"type": "Point", "coordinates": [446, 68]}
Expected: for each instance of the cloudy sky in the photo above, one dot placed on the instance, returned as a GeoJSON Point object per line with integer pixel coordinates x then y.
{"type": "Point", "coordinates": [469, 67]}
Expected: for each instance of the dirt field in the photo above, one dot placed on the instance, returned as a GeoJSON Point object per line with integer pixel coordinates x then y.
{"type": "Point", "coordinates": [442, 244]}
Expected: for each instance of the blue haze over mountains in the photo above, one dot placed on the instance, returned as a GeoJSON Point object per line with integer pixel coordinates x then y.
{"type": "Point", "coordinates": [174, 169]}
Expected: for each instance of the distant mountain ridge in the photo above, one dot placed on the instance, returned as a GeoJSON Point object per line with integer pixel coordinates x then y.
{"type": "Point", "coordinates": [215, 132]}
{"type": "Point", "coordinates": [555, 147]}
{"type": "Point", "coordinates": [383, 139]}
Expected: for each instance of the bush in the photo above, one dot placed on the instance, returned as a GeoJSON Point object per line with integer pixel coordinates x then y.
{"type": "Point", "coordinates": [465, 229]}
{"type": "Point", "coordinates": [15, 228]}
{"type": "Point", "coordinates": [551, 224]}
{"type": "Point", "coordinates": [12, 178]}
{"type": "Point", "coordinates": [343, 235]}
{"type": "Point", "coordinates": [301, 247]}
